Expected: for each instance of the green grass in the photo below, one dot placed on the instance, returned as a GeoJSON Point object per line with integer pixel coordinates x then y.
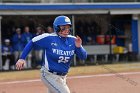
{"type": "Point", "coordinates": [80, 70]}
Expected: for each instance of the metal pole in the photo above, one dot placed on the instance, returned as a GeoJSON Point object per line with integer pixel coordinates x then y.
{"type": "Point", "coordinates": [73, 25]}
{"type": "Point", "coordinates": [73, 32]}
{"type": "Point", "coordinates": [0, 46]}
{"type": "Point", "coordinates": [110, 36]}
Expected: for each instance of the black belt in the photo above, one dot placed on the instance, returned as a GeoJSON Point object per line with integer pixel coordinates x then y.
{"type": "Point", "coordinates": [56, 73]}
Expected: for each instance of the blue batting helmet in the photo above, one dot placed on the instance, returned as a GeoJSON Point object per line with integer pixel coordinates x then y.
{"type": "Point", "coordinates": [60, 20]}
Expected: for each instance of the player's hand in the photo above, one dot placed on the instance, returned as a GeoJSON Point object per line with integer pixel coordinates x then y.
{"type": "Point", "coordinates": [78, 41]}
{"type": "Point", "coordinates": [20, 64]}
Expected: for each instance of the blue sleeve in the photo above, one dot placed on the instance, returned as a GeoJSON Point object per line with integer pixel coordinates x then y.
{"type": "Point", "coordinates": [81, 53]}
{"type": "Point", "coordinates": [26, 50]}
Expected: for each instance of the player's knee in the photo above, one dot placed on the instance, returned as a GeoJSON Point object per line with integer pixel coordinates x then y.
{"type": "Point", "coordinates": [66, 90]}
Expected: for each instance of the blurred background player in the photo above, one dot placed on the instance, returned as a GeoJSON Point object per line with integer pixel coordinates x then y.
{"type": "Point", "coordinates": [59, 49]}
{"type": "Point", "coordinates": [7, 56]}
{"type": "Point", "coordinates": [37, 51]}
{"type": "Point", "coordinates": [17, 43]}
{"type": "Point", "coordinates": [28, 36]}
{"type": "Point", "coordinates": [49, 29]}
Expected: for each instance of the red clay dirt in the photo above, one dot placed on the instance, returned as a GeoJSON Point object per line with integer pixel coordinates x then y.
{"type": "Point", "coordinates": [95, 84]}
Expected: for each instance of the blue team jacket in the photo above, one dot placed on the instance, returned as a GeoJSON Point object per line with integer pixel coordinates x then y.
{"type": "Point", "coordinates": [18, 43]}
{"type": "Point", "coordinates": [58, 51]}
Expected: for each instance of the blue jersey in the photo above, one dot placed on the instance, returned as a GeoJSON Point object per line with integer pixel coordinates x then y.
{"type": "Point", "coordinates": [58, 51]}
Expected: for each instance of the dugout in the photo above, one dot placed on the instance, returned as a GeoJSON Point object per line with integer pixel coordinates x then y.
{"type": "Point", "coordinates": [111, 12]}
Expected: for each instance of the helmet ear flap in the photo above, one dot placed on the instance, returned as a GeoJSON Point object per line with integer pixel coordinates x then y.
{"type": "Point", "coordinates": [57, 28]}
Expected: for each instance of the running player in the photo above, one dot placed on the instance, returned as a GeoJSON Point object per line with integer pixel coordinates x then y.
{"type": "Point", "coordinates": [59, 49]}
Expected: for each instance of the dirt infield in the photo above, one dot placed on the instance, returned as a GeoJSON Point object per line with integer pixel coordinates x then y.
{"type": "Point", "coordinates": [101, 83]}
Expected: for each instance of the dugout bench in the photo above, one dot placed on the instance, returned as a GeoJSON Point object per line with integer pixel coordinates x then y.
{"type": "Point", "coordinates": [96, 50]}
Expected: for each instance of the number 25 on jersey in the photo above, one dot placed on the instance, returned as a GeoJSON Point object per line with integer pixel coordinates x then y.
{"type": "Point", "coordinates": [63, 59]}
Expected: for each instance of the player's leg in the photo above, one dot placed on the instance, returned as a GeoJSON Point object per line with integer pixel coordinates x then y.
{"type": "Point", "coordinates": [29, 60]}
{"type": "Point", "coordinates": [12, 63]}
{"type": "Point", "coordinates": [3, 60]}
{"type": "Point", "coordinates": [55, 86]}
{"type": "Point", "coordinates": [16, 55]}
{"type": "Point", "coordinates": [50, 85]}
{"type": "Point", "coordinates": [55, 83]}
{"type": "Point", "coordinates": [61, 82]}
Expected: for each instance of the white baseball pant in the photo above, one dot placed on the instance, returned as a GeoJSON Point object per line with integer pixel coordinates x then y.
{"type": "Point", "coordinates": [54, 83]}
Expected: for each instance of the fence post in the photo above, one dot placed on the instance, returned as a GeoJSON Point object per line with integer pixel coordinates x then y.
{"type": "Point", "coordinates": [0, 45]}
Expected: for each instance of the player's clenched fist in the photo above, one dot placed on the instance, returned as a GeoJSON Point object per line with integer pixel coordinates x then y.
{"type": "Point", "coordinates": [20, 64]}
{"type": "Point", "coordinates": [78, 41]}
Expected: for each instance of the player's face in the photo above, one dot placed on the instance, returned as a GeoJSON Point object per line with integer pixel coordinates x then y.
{"type": "Point", "coordinates": [64, 30]}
